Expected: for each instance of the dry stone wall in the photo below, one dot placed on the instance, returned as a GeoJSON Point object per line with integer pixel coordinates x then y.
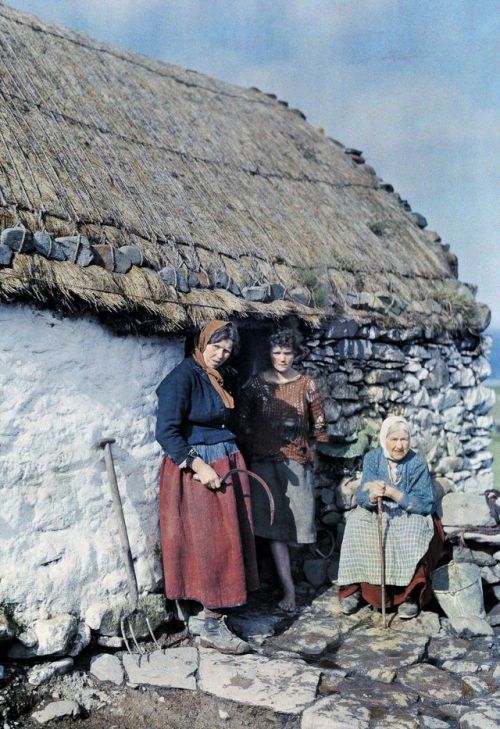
{"type": "Point", "coordinates": [437, 383]}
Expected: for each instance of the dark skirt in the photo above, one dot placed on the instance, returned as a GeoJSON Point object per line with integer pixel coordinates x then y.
{"type": "Point", "coordinates": [207, 539]}
{"type": "Point", "coordinates": [420, 585]}
{"type": "Point", "coordinates": [292, 487]}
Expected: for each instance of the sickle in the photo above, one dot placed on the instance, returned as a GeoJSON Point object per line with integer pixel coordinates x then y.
{"type": "Point", "coordinates": [260, 481]}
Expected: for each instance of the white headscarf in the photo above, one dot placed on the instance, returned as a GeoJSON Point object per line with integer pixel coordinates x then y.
{"type": "Point", "coordinates": [391, 423]}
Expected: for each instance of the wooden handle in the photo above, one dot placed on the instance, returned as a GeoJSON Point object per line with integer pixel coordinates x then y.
{"type": "Point", "coordinates": [382, 558]}
{"type": "Point", "coordinates": [122, 527]}
{"type": "Point", "coordinates": [104, 442]}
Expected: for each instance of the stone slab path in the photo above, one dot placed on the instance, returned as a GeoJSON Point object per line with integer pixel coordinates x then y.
{"type": "Point", "coordinates": [174, 667]}
{"type": "Point", "coordinates": [326, 670]}
{"type": "Point", "coordinates": [286, 686]}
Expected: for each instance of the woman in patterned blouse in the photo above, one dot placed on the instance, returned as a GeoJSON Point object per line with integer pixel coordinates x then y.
{"type": "Point", "coordinates": [281, 415]}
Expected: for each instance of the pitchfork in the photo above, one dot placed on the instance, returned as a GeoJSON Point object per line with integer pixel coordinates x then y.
{"type": "Point", "coordinates": [126, 620]}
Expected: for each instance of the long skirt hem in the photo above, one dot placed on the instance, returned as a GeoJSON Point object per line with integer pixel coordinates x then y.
{"type": "Point", "coordinates": [198, 598]}
{"type": "Point", "coordinates": [207, 540]}
{"type": "Point", "coordinates": [420, 585]}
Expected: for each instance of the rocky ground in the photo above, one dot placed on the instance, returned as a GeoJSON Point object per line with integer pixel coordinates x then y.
{"type": "Point", "coordinates": [317, 670]}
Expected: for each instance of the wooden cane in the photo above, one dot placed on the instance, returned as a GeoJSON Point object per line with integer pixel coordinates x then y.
{"type": "Point", "coordinates": [382, 559]}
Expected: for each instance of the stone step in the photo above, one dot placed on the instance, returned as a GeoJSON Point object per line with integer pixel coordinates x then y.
{"type": "Point", "coordinates": [281, 685]}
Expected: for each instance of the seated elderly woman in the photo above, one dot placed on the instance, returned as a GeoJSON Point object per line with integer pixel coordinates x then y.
{"type": "Point", "coordinates": [412, 538]}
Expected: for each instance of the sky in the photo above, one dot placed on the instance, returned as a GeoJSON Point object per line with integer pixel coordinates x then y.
{"type": "Point", "coordinates": [410, 82]}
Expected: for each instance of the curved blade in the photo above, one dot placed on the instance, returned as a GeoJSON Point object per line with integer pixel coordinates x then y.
{"type": "Point", "coordinates": [260, 481]}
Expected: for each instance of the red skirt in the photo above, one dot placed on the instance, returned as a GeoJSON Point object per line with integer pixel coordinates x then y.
{"type": "Point", "coordinates": [207, 538]}
{"type": "Point", "coordinates": [420, 585]}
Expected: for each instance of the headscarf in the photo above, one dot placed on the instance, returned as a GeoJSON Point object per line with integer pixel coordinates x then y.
{"type": "Point", "coordinates": [215, 377]}
{"type": "Point", "coordinates": [392, 422]}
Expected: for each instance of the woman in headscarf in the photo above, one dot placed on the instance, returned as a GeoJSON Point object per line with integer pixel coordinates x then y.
{"type": "Point", "coordinates": [412, 544]}
{"type": "Point", "coordinates": [281, 417]}
{"type": "Point", "coordinates": [206, 526]}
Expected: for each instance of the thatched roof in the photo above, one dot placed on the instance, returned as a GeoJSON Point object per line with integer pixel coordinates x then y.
{"type": "Point", "coordinates": [203, 177]}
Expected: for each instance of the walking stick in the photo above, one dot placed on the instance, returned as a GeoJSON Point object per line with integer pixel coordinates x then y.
{"type": "Point", "coordinates": [382, 559]}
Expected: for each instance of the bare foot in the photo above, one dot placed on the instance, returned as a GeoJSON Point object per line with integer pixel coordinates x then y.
{"type": "Point", "coordinates": [287, 604]}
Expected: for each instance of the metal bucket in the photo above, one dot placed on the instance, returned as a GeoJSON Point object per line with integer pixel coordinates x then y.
{"type": "Point", "coordinates": [459, 590]}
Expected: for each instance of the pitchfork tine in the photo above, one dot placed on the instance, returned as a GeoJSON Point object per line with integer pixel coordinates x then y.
{"type": "Point", "coordinates": [124, 635]}
{"type": "Point", "coordinates": [139, 649]}
{"type": "Point", "coordinates": [151, 633]}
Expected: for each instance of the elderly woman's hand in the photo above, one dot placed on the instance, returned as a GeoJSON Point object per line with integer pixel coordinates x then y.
{"type": "Point", "coordinates": [375, 489]}
{"type": "Point", "coordinates": [380, 488]}
{"type": "Point", "coordinates": [206, 474]}
{"type": "Point", "coordinates": [393, 493]}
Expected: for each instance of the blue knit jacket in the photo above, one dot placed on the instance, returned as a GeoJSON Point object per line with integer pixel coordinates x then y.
{"type": "Point", "coordinates": [190, 411]}
{"type": "Point", "coordinates": [414, 481]}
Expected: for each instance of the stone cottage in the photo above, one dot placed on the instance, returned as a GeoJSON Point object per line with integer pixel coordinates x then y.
{"type": "Point", "coordinates": [138, 199]}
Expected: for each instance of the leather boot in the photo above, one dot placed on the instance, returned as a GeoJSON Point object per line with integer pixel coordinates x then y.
{"type": "Point", "coordinates": [216, 634]}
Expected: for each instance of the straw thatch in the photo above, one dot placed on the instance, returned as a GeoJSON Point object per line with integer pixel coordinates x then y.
{"type": "Point", "coordinates": [200, 175]}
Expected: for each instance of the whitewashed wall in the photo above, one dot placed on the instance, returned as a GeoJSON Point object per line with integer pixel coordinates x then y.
{"type": "Point", "coordinates": [65, 383]}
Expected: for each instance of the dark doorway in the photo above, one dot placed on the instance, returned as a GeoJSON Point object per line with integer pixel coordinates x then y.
{"type": "Point", "coordinates": [253, 356]}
